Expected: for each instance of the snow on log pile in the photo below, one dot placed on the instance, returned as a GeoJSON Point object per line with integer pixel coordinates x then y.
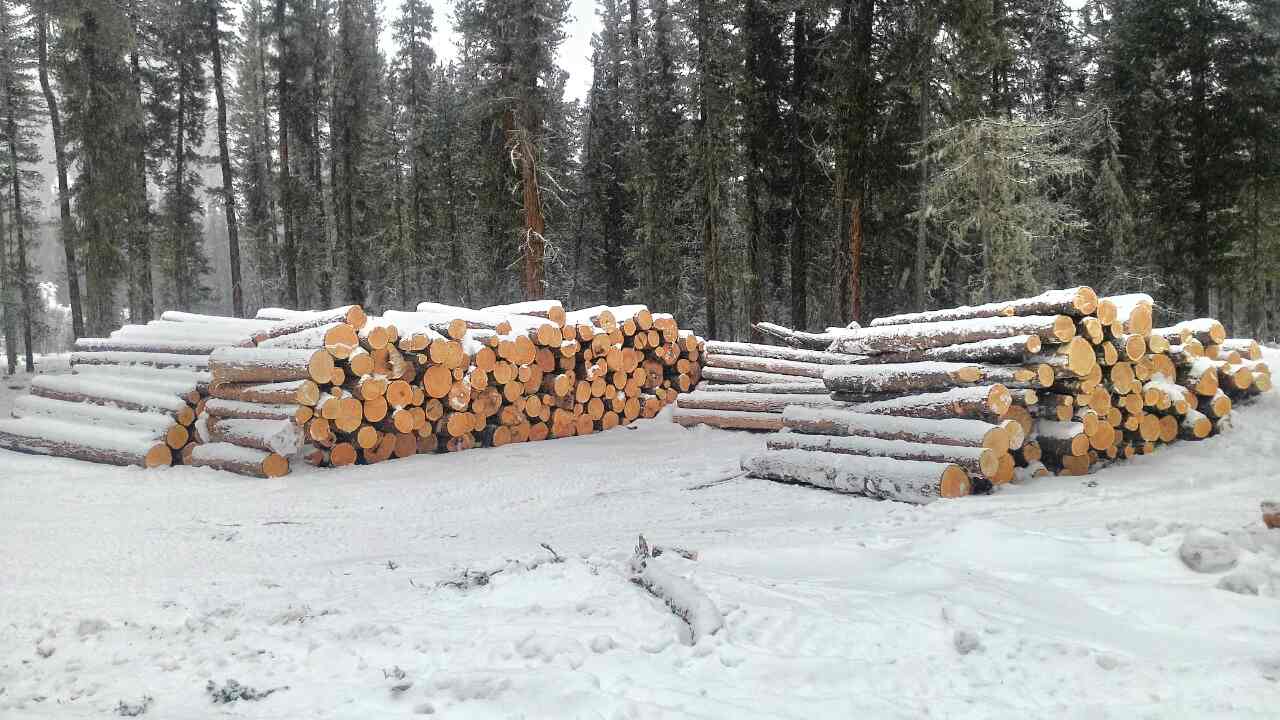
{"type": "Point", "coordinates": [1061, 382]}
{"type": "Point", "coordinates": [336, 387]}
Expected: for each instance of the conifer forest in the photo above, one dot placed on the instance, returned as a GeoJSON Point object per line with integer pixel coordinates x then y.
{"type": "Point", "coordinates": [812, 161]}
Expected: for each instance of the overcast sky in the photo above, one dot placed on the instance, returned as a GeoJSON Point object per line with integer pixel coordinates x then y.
{"type": "Point", "coordinates": [575, 52]}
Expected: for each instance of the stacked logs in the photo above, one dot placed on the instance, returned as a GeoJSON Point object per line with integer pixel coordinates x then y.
{"type": "Point", "coordinates": [134, 397]}
{"type": "Point", "coordinates": [336, 387]}
{"type": "Point", "coordinates": [1075, 381]}
{"type": "Point", "coordinates": [446, 378]}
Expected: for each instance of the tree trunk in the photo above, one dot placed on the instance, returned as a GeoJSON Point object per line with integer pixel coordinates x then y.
{"type": "Point", "coordinates": [801, 59]}
{"type": "Point", "coordinates": [23, 279]}
{"type": "Point", "coordinates": [66, 227]}
{"type": "Point", "coordinates": [224, 156]}
{"type": "Point", "coordinates": [922, 205]}
{"type": "Point", "coordinates": [287, 193]}
{"type": "Point", "coordinates": [709, 199]}
{"type": "Point", "coordinates": [141, 297]}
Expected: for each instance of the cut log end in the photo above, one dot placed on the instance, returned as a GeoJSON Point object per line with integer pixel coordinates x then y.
{"type": "Point", "coordinates": [954, 482]}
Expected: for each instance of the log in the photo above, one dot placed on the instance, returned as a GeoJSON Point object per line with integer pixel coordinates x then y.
{"type": "Point", "coordinates": [1076, 302]}
{"type": "Point", "coordinates": [146, 345]}
{"type": "Point", "coordinates": [1195, 425]}
{"type": "Point", "coordinates": [292, 321]}
{"type": "Point", "coordinates": [1062, 438]}
{"type": "Point", "coordinates": [549, 309]}
{"type": "Point", "coordinates": [753, 402]}
{"type": "Point", "coordinates": [160, 426]}
{"type": "Point", "coordinates": [771, 388]}
{"type": "Point", "coordinates": [766, 365]}
{"type": "Point", "coordinates": [977, 460]}
{"type": "Point", "coordinates": [339, 338]}
{"type": "Point", "coordinates": [800, 338]}
{"type": "Point", "coordinates": [1247, 347]}
{"type": "Point", "coordinates": [215, 321]}
{"type": "Point", "coordinates": [64, 438]}
{"type": "Point", "coordinates": [998, 350]}
{"type": "Point", "coordinates": [958, 432]}
{"type": "Point", "coordinates": [270, 365]}
{"type": "Point", "coordinates": [154, 360]}
{"type": "Point", "coordinates": [242, 460]}
{"type": "Point", "coordinates": [277, 436]}
{"type": "Point", "coordinates": [304, 392]}
{"type": "Point", "coordinates": [728, 419]}
{"type": "Point", "coordinates": [907, 377]}
{"type": "Point", "coordinates": [1134, 312]}
{"type": "Point", "coordinates": [220, 408]}
{"type": "Point", "coordinates": [104, 391]}
{"type": "Point", "coordinates": [727, 375]}
{"type": "Point", "coordinates": [877, 477]}
{"type": "Point", "coordinates": [983, 402]}
{"type": "Point", "coordinates": [1207, 330]}
{"type": "Point", "coordinates": [716, 347]}
{"type": "Point", "coordinates": [922, 336]}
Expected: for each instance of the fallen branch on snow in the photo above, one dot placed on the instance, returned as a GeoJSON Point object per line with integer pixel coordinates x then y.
{"type": "Point", "coordinates": [685, 600]}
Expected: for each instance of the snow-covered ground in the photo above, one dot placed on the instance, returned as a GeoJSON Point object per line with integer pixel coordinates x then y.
{"type": "Point", "coordinates": [1064, 597]}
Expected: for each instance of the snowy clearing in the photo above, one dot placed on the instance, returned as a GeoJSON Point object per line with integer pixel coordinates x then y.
{"type": "Point", "coordinates": [323, 595]}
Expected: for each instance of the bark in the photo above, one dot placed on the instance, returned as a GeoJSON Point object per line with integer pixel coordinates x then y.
{"type": "Point", "coordinates": [42, 436]}
{"type": "Point", "coordinates": [773, 351]}
{"type": "Point", "coordinates": [276, 436]}
{"type": "Point", "coordinates": [981, 403]}
{"type": "Point", "coordinates": [728, 419]}
{"type": "Point", "coordinates": [928, 31]}
{"type": "Point", "coordinates": [905, 378]}
{"type": "Point", "coordinates": [765, 364]}
{"type": "Point", "coordinates": [154, 360]}
{"type": "Point", "coordinates": [753, 402]}
{"type": "Point", "coordinates": [730, 375]}
{"type": "Point", "coordinates": [801, 68]}
{"type": "Point", "coordinates": [885, 478]}
{"type": "Point", "coordinates": [264, 365]}
{"type": "Point", "coordinates": [922, 336]}
{"type": "Point", "coordinates": [963, 432]}
{"type": "Point", "coordinates": [66, 227]}
{"type": "Point", "coordinates": [976, 460]}
{"type": "Point", "coordinates": [236, 459]}
{"type": "Point", "coordinates": [1014, 349]}
{"type": "Point", "coordinates": [1076, 302]}
{"type": "Point", "coordinates": [224, 157]}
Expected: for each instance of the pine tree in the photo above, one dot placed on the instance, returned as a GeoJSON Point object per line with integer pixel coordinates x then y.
{"type": "Point", "coordinates": [177, 108]}
{"type": "Point", "coordinates": [414, 70]}
{"type": "Point", "coordinates": [713, 68]}
{"type": "Point", "coordinates": [355, 126]}
{"type": "Point", "coordinates": [605, 170]}
{"type": "Point", "coordinates": [95, 38]}
{"type": "Point", "coordinates": [660, 186]}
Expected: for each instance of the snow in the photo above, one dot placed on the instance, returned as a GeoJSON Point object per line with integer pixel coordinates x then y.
{"type": "Point", "coordinates": [1057, 597]}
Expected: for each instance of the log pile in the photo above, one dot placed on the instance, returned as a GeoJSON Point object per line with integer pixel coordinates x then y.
{"type": "Point", "coordinates": [1073, 381]}
{"type": "Point", "coordinates": [337, 387]}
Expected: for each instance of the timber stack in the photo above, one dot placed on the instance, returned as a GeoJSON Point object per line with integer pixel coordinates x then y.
{"type": "Point", "coordinates": [337, 387]}
{"type": "Point", "coordinates": [949, 402]}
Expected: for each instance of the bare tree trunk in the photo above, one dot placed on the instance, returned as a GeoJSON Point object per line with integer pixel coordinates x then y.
{"type": "Point", "coordinates": [224, 155]}
{"type": "Point", "coordinates": [922, 222]}
{"type": "Point", "coordinates": [533, 244]}
{"type": "Point", "coordinates": [7, 303]}
{"type": "Point", "coordinates": [141, 296]}
{"type": "Point", "coordinates": [181, 290]}
{"type": "Point", "coordinates": [286, 186]}
{"type": "Point", "coordinates": [799, 180]}
{"type": "Point", "coordinates": [66, 228]}
{"type": "Point", "coordinates": [23, 279]}
{"type": "Point", "coordinates": [709, 200]}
